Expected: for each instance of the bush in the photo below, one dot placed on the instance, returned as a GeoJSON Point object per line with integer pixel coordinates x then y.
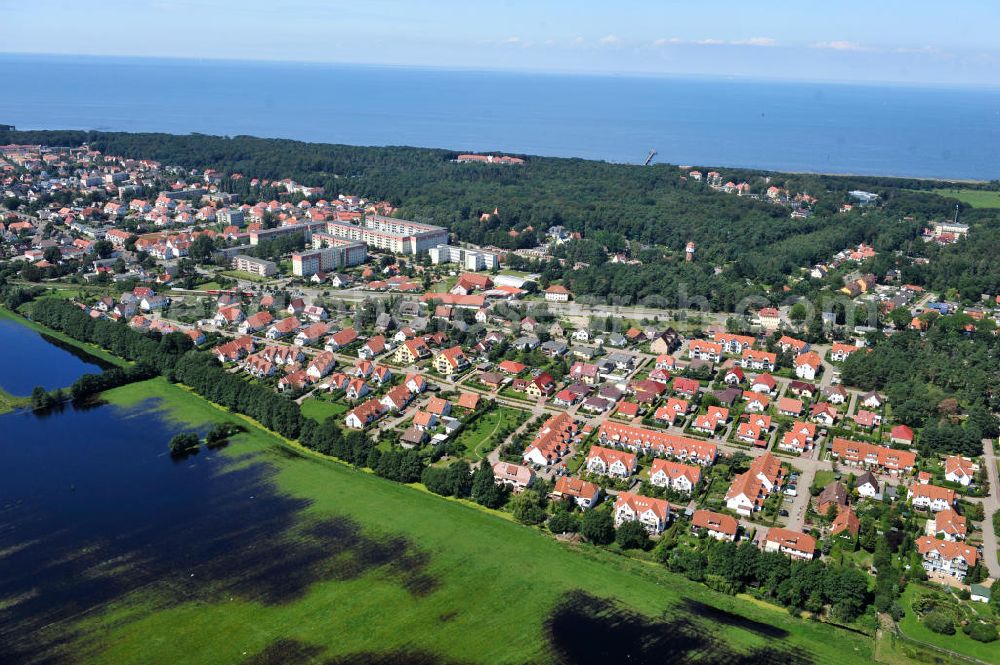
{"type": "Point", "coordinates": [983, 632]}
{"type": "Point", "coordinates": [939, 622]}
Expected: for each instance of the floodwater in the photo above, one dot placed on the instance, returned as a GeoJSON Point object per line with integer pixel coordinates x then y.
{"type": "Point", "coordinates": [29, 359]}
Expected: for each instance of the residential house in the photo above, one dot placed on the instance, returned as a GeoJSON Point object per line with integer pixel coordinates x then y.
{"type": "Point", "coordinates": [823, 413]}
{"type": "Point", "coordinates": [960, 470]}
{"type": "Point", "coordinates": [515, 476]}
{"type": "Point", "coordinates": [799, 438]}
{"type": "Point", "coordinates": [610, 462]}
{"type": "Point", "coordinates": [947, 524]}
{"type": "Point", "coordinates": [341, 339]}
{"type": "Point", "coordinates": [311, 334]}
{"type": "Point", "coordinates": [678, 477]}
{"type": "Point", "coordinates": [789, 407]}
{"type": "Point", "coordinates": [860, 453]}
{"type": "Point", "coordinates": [834, 494]}
{"type": "Point", "coordinates": [364, 414]}
{"type": "Point", "coordinates": [283, 328]}
{"type": "Point", "coordinates": [411, 351]}
{"type": "Point", "coordinates": [227, 316]}
{"type": "Point", "coordinates": [840, 352]}
{"type": "Point", "coordinates": [321, 365]}
{"type": "Point", "coordinates": [717, 525]}
{"type": "Point", "coordinates": [654, 514]}
{"type": "Point", "coordinates": [451, 361]}
{"type": "Point", "coordinates": [790, 543]}
{"type": "Point", "coordinates": [758, 360]}
{"type": "Point", "coordinates": [749, 489]}
{"type": "Point", "coordinates": [932, 497]}
{"type": "Point", "coordinates": [396, 398]}
{"type": "Point", "coordinates": [764, 383]}
{"type": "Point", "coordinates": [734, 344]}
{"type": "Point", "coordinates": [807, 365]}
{"type": "Point", "coordinates": [867, 486]}
{"type": "Point", "coordinates": [255, 322]}
{"type": "Point", "coordinates": [651, 442]}
{"type": "Point", "coordinates": [902, 435]}
{"type": "Point", "coordinates": [946, 557]}
{"type": "Point", "coordinates": [552, 441]}
{"type": "Point", "coordinates": [372, 347]}
{"type": "Point", "coordinates": [867, 419]}
{"type": "Point", "coordinates": [583, 493]}
{"type": "Point", "coordinates": [846, 523]}
{"type": "Point", "coordinates": [704, 350]}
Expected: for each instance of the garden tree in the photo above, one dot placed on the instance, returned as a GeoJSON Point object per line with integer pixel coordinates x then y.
{"type": "Point", "coordinates": [52, 254]}
{"type": "Point", "coordinates": [688, 562]}
{"type": "Point", "coordinates": [632, 535]}
{"type": "Point", "coordinates": [485, 490]}
{"type": "Point", "coordinates": [103, 248]}
{"type": "Point", "coordinates": [183, 443]}
{"type": "Point", "coordinates": [598, 527]}
{"type": "Point", "coordinates": [797, 313]}
{"type": "Point", "coordinates": [528, 507]}
{"type": "Point", "coordinates": [201, 248]}
{"type": "Point", "coordinates": [403, 466]}
{"type": "Point", "coordinates": [900, 318]}
{"type": "Point", "coordinates": [564, 521]}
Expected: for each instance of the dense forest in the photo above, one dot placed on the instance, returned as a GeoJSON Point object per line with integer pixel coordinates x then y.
{"type": "Point", "coordinates": [744, 246]}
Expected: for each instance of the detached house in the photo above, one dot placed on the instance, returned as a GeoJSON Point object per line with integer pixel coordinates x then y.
{"type": "Point", "coordinates": [515, 476]}
{"type": "Point", "coordinates": [311, 334]}
{"type": "Point", "coordinates": [256, 322]}
{"type": "Point", "coordinates": [364, 414]}
{"type": "Point", "coordinates": [341, 339]}
{"type": "Point", "coordinates": [397, 398]}
{"type": "Point", "coordinates": [948, 525]}
{"type": "Point", "coordinates": [758, 360]}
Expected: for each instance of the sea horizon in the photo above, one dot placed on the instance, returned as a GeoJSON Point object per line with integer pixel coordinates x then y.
{"type": "Point", "coordinates": [865, 129]}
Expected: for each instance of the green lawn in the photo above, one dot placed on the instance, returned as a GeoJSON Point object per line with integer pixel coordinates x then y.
{"type": "Point", "coordinates": [961, 643]}
{"type": "Point", "coordinates": [10, 402]}
{"type": "Point", "coordinates": [976, 198]}
{"type": "Point", "coordinates": [208, 286]}
{"type": "Point", "coordinates": [479, 438]}
{"type": "Point", "coordinates": [321, 409]}
{"type": "Point", "coordinates": [823, 478]}
{"type": "Point", "coordinates": [496, 582]}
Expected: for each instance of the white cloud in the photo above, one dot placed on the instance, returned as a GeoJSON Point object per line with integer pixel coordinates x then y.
{"type": "Point", "coordinates": [709, 42]}
{"type": "Point", "coordinates": [840, 45]}
{"type": "Point", "coordinates": [610, 40]}
{"type": "Point", "coordinates": [755, 41]}
{"type": "Point", "coordinates": [512, 40]}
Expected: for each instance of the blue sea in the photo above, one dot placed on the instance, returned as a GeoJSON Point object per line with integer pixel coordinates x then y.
{"type": "Point", "coordinates": [823, 127]}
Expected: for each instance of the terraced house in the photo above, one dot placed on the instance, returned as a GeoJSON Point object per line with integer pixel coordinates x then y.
{"type": "Point", "coordinates": [609, 462]}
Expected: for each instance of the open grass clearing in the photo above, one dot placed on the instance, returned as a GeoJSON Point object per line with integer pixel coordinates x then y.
{"type": "Point", "coordinates": [320, 409]}
{"type": "Point", "coordinates": [977, 198]}
{"type": "Point", "coordinates": [481, 437]}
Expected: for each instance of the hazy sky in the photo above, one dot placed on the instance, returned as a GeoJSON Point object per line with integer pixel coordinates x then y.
{"type": "Point", "coordinates": [877, 40]}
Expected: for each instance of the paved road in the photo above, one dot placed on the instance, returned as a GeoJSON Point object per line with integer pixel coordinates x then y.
{"type": "Point", "coordinates": [991, 504]}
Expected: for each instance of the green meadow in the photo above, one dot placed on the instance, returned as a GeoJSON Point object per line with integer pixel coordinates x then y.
{"type": "Point", "coordinates": [977, 198]}
{"type": "Point", "coordinates": [487, 593]}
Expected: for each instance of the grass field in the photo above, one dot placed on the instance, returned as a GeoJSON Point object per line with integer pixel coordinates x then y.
{"type": "Point", "coordinates": [489, 593]}
{"type": "Point", "coordinates": [239, 274]}
{"type": "Point", "coordinates": [961, 643]}
{"type": "Point", "coordinates": [208, 286]}
{"type": "Point", "coordinates": [10, 402]}
{"type": "Point", "coordinates": [976, 198]}
{"type": "Point", "coordinates": [321, 409]}
{"type": "Point", "coordinates": [479, 439]}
